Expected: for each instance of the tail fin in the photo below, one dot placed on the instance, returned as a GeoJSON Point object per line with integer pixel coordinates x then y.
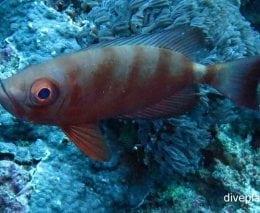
{"type": "Point", "coordinates": [237, 80]}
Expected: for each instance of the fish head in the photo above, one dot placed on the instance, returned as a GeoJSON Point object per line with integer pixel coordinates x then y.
{"type": "Point", "coordinates": [36, 93]}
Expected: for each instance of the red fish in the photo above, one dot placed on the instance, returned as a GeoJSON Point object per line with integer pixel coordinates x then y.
{"type": "Point", "coordinates": [141, 77]}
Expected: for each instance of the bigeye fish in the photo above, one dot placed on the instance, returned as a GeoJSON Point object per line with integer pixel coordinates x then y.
{"type": "Point", "coordinates": [145, 76]}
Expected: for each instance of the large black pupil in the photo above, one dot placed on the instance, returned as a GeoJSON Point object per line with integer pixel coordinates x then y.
{"type": "Point", "coordinates": [44, 93]}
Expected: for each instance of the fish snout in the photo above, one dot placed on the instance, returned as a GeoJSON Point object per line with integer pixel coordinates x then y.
{"type": "Point", "coordinates": [5, 99]}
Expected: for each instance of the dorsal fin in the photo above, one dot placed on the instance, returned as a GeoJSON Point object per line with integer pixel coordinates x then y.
{"type": "Point", "coordinates": [190, 41]}
{"type": "Point", "coordinates": [89, 139]}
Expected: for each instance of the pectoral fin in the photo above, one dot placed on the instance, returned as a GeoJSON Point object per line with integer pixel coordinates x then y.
{"type": "Point", "coordinates": [89, 139]}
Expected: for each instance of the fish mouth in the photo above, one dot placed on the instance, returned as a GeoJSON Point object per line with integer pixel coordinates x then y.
{"type": "Point", "coordinates": [6, 99]}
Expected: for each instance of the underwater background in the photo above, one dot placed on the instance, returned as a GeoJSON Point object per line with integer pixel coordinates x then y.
{"type": "Point", "coordinates": [197, 162]}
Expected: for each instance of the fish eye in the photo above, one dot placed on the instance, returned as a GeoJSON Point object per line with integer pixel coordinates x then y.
{"type": "Point", "coordinates": [43, 92]}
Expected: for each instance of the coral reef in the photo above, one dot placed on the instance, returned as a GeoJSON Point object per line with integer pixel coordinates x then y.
{"type": "Point", "coordinates": [14, 187]}
{"type": "Point", "coordinates": [240, 172]}
{"type": "Point", "coordinates": [167, 141]}
{"type": "Point", "coordinates": [9, 60]}
{"type": "Point", "coordinates": [182, 164]}
{"type": "Point", "coordinates": [38, 38]}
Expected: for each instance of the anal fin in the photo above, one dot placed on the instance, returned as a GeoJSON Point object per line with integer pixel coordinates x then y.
{"type": "Point", "coordinates": [177, 104]}
{"type": "Point", "coordinates": [89, 139]}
